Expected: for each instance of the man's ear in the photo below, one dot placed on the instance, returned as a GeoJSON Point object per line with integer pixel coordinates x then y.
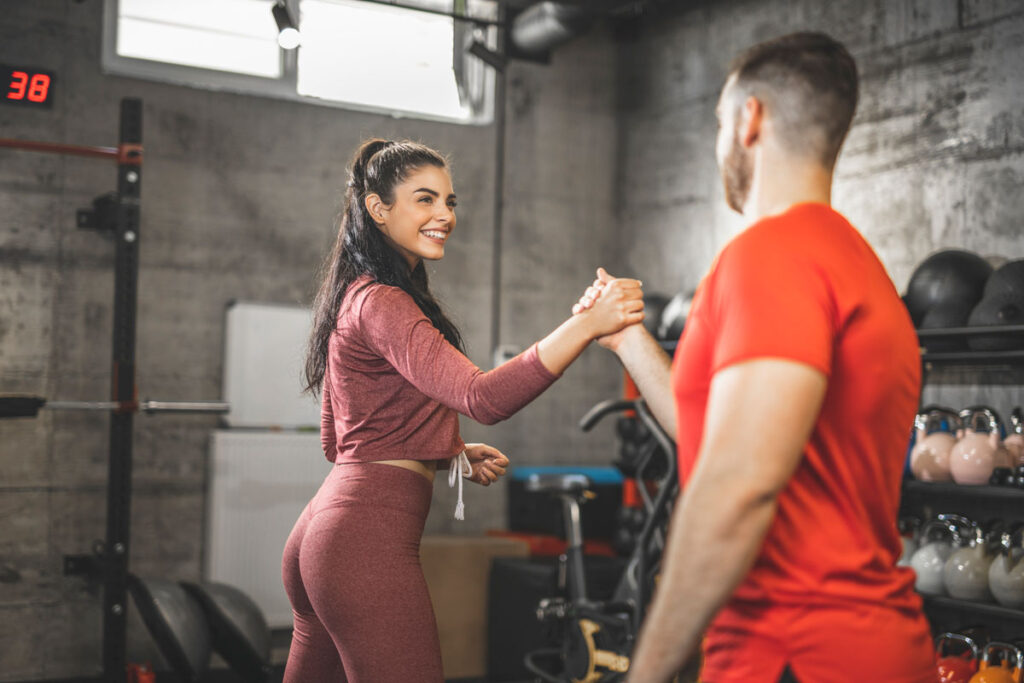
{"type": "Point", "coordinates": [376, 207]}
{"type": "Point", "coordinates": [752, 118]}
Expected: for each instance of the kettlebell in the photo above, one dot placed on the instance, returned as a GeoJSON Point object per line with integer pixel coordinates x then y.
{"type": "Point", "coordinates": [928, 561]}
{"type": "Point", "coordinates": [936, 429]}
{"type": "Point", "coordinates": [979, 449]}
{"type": "Point", "coordinates": [965, 574]}
{"type": "Point", "coordinates": [1006, 573]}
{"type": "Point", "coordinates": [1007, 671]}
{"type": "Point", "coordinates": [1014, 442]}
{"type": "Point", "coordinates": [909, 528]}
{"type": "Point", "coordinates": [956, 668]}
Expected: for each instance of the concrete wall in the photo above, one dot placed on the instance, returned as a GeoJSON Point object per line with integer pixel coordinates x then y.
{"type": "Point", "coordinates": [935, 158]}
{"type": "Point", "coordinates": [238, 202]}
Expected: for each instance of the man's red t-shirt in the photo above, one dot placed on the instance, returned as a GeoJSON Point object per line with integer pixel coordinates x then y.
{"type": "Point", "coordinates": [825, 595]}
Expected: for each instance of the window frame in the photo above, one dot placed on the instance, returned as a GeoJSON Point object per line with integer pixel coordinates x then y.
{"type": "Point", "coordinates": [285, 87]}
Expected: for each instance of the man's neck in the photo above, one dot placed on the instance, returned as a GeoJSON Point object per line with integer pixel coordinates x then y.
{"type": "Point", "coordinates": [781, 182]}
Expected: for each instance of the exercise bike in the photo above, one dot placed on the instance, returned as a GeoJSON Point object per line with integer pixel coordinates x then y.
{"type": "Point", "coordinates": [597, 637]}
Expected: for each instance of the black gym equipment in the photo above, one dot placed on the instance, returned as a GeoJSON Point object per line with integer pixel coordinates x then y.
{"type": "Point", "coordinates": [946, 314]}
{"type": "Point", "coordinates": [996, 310]}
{"type": "Point", "coordinates": [163, 606]}
{"type": "Point", "coordinates": [1002, 304]}
{"type": "Point", "coordinates": [654, 304]}
{"type": "Point", "coordinates": [240, 633]}
{"type": "Point", "coordinates": [945, 277]}
{"type": "Point", "coordinates": [597, 636]}
{"type": "Point", "coordinates": [673, 317]}
{"type": "Point", "coordinates": [176, 621]}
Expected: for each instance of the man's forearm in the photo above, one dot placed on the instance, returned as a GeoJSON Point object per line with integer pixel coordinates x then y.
{"type": "Point", "coordinates": [712, 544]}
{"type": "Point", "coordinates": [651, 368]}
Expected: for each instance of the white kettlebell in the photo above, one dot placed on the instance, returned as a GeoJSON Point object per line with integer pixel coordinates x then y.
{"type": "Point", "coordinates": [910, 529]}
{"type": "Point", "coordinates": [1006, 574]}
{"type": "Point", "coordinates": [965, 573]}
{"type": "Point", "coordinates": [936, 429]}
{"type": "Point", "coordinates": [930, 558]}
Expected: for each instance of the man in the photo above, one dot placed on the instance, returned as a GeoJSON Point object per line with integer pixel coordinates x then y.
{"type": "Point", "coordinates": [791, 395]}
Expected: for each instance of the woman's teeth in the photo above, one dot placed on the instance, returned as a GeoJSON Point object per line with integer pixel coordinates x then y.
{"type": "Point", "coordinates": [435, 234]}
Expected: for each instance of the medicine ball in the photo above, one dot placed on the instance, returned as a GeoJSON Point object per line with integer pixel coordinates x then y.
{"type": "Point", "coordinates": [1007, 280]}
{"type": "Point", "coordinates": [673, 318]}
{"type": "Point", "coordinates": [942, 315]}
{"type": "Point", "coordinates": [1004, 308]}
{"type": "Point", "coordinates": [654, 304]}
{"type": "Point", "coordinates": [947, 276]}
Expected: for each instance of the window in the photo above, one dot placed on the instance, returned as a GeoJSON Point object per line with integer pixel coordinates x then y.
{"type": "Point", "coordinates": [355, 54]}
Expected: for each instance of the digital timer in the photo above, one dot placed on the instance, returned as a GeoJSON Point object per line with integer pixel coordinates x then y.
{"type": "Point", "coordinates": [26, 86]}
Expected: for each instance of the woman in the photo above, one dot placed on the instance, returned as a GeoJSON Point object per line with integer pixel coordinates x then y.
{"type": "Point", "coordinates": [392, 374]}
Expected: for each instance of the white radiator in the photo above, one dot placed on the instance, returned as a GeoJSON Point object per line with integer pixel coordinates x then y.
{"type": "Point", "coordinates": [259, 483]}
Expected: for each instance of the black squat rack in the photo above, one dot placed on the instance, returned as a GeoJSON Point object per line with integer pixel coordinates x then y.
{"type": "Point", "coordinates": [116, 213]}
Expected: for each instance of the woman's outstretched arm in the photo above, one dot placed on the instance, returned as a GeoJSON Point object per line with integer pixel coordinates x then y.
{"type": "Point", "coordinates": [393, 325]}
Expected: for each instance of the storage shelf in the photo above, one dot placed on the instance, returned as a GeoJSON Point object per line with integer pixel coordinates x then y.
{"type": "Point", "coordinates": [949, 490]}
{"type": "Point", "coordinates": [1006, 358]}
{"type": "Point", "coordinates": [979, 608]}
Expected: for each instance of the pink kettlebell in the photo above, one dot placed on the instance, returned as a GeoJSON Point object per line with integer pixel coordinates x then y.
{"type": "Point", "coordinates": [1014, 441]}
{"type": "Point", "coordinates": [936, 435]}
{"type": "Point", "coordinates": [979, 449]}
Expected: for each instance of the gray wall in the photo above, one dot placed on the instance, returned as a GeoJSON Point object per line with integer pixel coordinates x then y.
{"type": "Point", "coordinates": [934, 159]}
{"type": "Point", "coordinates": [238, 202]}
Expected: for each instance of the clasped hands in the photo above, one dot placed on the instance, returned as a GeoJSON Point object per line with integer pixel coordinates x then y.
{"type": "Point", "coordinates": [605, 286]}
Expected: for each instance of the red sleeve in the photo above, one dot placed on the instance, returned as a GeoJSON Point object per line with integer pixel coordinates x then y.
{"type": "Point", "coordinates": [328, 437]}
{"type": "Point", "coordinates": [771, 300]}
{"type": "Point", "coordinates": [395, 327]}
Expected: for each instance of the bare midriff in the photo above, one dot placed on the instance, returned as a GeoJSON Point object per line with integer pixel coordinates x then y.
{"type": "Point", "coordinates": [424, 467]}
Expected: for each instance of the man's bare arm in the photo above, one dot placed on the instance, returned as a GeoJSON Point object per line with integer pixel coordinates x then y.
{"type": "Point", "coordinates": [650, 368]}
{"type": "Point", "coordinates": [729, 503]}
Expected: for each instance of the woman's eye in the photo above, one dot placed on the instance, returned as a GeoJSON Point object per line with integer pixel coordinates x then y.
{"type": "Point", "coordinates": [426, 199]}
{"type": "Point", "coordinates": [452, 205]}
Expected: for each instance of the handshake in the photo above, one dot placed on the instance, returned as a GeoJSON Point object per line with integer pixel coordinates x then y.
{"type": "Point", "coordinates": [612, 305]}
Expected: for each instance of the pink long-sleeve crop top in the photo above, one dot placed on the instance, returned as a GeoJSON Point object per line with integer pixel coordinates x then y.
{"type": "Point", "coordinates": [394, 383]}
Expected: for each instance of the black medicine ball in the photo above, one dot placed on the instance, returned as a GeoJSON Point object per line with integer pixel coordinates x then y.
{"type": "Point", "coordinates": [946, 277]}
{"type": "Point", "coordinates": [942, 315]}
{"type": "Point", "coordinates": [1004, 308]}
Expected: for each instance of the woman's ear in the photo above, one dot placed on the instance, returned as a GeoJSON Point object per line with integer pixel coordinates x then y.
{"type": "Point", "coordinates": [376, 207]}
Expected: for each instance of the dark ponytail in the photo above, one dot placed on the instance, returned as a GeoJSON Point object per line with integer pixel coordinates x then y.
{"type": "Point", "coordinates": [360, 249]}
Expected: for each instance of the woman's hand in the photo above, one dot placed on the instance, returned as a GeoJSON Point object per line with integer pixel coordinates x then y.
{"type": "Point", "coordinates": [487, 462]}
{"type": "Point", "coordinates": [590, 296]}
{"type": "Point", "coordinates": [611, 304]}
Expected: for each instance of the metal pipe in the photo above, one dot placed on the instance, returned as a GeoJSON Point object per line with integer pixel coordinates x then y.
{"type": "Point", "coordinates": [440, 13]}
{"type": "Point", "coordinates": [60, 148]}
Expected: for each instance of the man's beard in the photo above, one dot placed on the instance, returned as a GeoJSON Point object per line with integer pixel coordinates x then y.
{"type": "Point", "coordinates": [737, 172]}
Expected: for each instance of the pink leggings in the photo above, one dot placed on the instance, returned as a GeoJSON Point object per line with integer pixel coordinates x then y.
{"type": "Point", "coordinates": [352, 572]}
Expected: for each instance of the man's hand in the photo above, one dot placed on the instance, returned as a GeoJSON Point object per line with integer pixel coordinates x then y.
{"type": "Point", "coordinates": [591, 295]}
{"type": "Point", "coordinates": [487, 462]}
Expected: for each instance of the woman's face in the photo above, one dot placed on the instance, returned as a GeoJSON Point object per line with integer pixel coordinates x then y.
{"type": "Point", "coordinates": [422, 217]}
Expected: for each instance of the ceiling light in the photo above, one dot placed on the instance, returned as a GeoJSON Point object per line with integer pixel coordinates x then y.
{"type": "Point", "coordinates": [287, 32]}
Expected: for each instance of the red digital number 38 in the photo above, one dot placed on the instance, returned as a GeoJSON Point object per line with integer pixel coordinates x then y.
{"type": "Point", "coordinates": [38, 87]}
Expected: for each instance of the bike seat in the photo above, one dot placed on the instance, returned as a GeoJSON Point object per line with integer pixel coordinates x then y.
{"type": "Point", "coordinates": [557, 483]}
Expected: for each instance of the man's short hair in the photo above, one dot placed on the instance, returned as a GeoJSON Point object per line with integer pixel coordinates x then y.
{"type": "Point", "coordinates": [808, 83]}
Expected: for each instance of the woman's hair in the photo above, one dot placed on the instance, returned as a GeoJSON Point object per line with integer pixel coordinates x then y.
{"type": "Point", "coordinates": [360, 249]}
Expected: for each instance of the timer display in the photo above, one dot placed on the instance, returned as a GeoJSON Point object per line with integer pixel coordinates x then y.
{"type": "Point", "coordinates": [26, 86]}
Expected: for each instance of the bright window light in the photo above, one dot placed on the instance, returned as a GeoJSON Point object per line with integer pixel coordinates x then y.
{"type": "Point", "coordinates": [378, 56]}
{"type": "Point", "coordinates": [238, 36]}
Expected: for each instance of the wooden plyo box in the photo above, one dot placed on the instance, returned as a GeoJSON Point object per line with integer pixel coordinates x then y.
{"type": "Point", "coordinates": [457, 570]}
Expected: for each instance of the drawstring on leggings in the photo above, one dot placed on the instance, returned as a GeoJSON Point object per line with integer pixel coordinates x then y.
{"type": "Point", "coordinates": [460, 465]}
